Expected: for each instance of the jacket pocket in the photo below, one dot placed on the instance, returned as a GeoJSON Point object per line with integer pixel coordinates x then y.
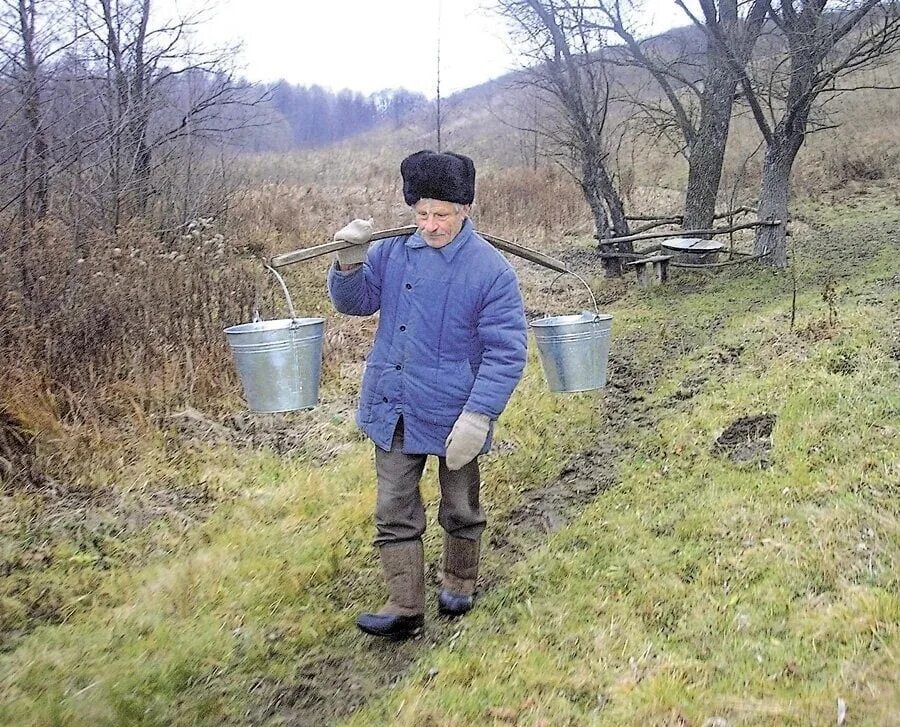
{"type": "Point", "coordinates": [367, 392]}
{"type": "Point", "coordinates": [442, 392]}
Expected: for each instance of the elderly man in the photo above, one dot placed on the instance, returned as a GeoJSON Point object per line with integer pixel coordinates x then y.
{"type": "Point", "coordinates": [449, 350]}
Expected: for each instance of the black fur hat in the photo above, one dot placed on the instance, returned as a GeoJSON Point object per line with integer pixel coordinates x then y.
{"type": "Point", "coordinates": [431, 175]}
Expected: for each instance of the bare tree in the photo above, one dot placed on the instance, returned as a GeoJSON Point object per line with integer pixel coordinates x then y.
{"type": "Point", "coordinates": [107, 114]}
{"type": "Point", "coordinates": [145, 71]}
{"type": "Point", "coordinates": [570, 72]}
{"type": "Point", "coordinates": [23, 70]}
{"type": "Point", "coordinates": [683, 76]}
{"type": "Point", "coordinates": [820, 43]}
{"type": "Point", "coordinates": [27, 46]}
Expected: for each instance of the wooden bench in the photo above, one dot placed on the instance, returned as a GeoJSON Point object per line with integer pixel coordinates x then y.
{"type": "Point", "coordinates": [652, 270]}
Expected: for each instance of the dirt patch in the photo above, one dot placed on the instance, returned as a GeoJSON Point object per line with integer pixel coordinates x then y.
{"type": "Point", "coordinates": [318, 434]}
{"type": "Point", "coordinates": [546, 509]}
{"type": "Point", "coordinates": [843, 362]}
{"type": "Point", "coordinates": [816, 331]}
{"type": "Point", "coordinates": [328, 688]}
{"type": "Point", "coordinates": [57, 506]}
{"type": "Point", "coordinates": [691, 386]}
{"type": "Point", "coordinates": [94, 528]}
{"type": "Point", "coordinates": [299, 700]}
{"type": "Point", "coordinates": [748, 440]}
{"type": "Point", "coordinates": [729, 354]}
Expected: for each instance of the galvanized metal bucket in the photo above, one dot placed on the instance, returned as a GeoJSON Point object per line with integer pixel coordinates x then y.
{"type": "Point", "coordinates": [279, 362]}
{"type": "Point", "coordinates": [574, 349]}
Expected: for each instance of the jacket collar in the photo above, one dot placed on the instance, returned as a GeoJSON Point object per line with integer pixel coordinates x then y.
{"type": "Point", "coordinates": [448, 251]}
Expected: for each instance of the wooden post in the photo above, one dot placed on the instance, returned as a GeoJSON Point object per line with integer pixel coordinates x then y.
{"type": "Point", "coordinates": [661, 269]}
{"type": "Point", "coordinates": [651, 271]}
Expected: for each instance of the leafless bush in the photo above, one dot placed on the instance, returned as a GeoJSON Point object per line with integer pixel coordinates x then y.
{"type": "Point", "coordinates": [134, 326]}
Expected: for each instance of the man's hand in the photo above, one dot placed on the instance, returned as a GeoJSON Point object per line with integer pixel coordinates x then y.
{"type": "Point", "coordinates": [466, 439]}
{"type": "Point", "coordinates": [359, 232]}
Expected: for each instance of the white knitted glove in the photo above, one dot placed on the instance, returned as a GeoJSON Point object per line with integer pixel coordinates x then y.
{"type": "Point", "coordinates": [359, 232]}
{"type": "Point", "coordinates": [466, 439]}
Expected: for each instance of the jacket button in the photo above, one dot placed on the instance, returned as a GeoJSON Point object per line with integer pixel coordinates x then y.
{"type": "Point", "coordinates": [384, 399]}
{"type": "Point", "coordinates": [402, 328]}
{"type": "Point", "coordinates": [408, 286]}
{"type": "Point", "coordinates": [398, 367]}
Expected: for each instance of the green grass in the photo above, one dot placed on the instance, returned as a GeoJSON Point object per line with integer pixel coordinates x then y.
{"type": "Point", "coordinates": [694, 588]}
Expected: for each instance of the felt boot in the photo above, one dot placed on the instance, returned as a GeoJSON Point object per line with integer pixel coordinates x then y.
{"type": "Point", "coordinates": [460, 572]}
{"type": "Point", "coordinates": [402, 616]}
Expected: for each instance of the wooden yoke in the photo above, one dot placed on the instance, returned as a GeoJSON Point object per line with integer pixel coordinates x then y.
{"type": "Point", "coordinates": [513, 248]}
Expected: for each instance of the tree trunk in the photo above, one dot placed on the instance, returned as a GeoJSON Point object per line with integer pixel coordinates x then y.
{"type": "Point", "coordinates": [35, 166]}
{"type": "Point", "coordinates": [606, 206]}
{"type": "Point", "coordinates": [707, 153]}
{"type": "Point", "coordinates": [598, 212]}
{"type": "Point", "coordinates": [613, 202]}
{"type": "Point", "coordinates": [601, 222]}
{"type": "Point", "coordinates": [593, 188]}
{"type": "Point", "coordinates": [619, 223]}
{"type": "Point", "coordinates": [774, 194]}
{"type": "Point", "coordinates": [142, 166]}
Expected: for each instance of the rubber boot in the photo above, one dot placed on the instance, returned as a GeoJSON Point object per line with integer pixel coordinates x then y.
{"type": "Point", "coordinates": [402, 616]}
{"type": "Point", "coordinates": [460, 572]}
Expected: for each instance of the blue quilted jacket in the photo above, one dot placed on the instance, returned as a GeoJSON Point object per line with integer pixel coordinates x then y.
{"type": "Point", "coordinates": [451, 335]}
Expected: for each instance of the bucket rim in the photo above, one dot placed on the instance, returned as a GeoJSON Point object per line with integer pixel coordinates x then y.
{"type": "Point", "coordinates": [275, 324]}
{"type": "Point", "coordinates": [571, 319]}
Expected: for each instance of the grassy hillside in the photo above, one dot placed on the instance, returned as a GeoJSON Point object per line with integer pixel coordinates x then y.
{"type": "Point", "coordinates": [712, 540]}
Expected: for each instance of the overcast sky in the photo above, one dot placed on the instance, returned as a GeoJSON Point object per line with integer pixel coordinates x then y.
{"type": "Point", "coordinates": [367, 45]}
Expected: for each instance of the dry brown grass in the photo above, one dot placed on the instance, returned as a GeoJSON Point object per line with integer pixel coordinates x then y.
{"type": "Point", "coordinates": [113, 329]}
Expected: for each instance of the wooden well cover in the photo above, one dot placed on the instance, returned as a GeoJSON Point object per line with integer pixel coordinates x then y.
{"type": "Point", "coordinates": [692, 244]}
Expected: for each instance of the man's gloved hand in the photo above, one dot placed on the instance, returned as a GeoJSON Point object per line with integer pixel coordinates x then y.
{"type": "Point", "coordinates": [466, 439]}
{"type": "Point", "coordinates": [359, 232]}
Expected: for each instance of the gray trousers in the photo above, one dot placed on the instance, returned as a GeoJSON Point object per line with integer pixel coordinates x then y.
{"type": "Point", "coordinates": [399, 510]}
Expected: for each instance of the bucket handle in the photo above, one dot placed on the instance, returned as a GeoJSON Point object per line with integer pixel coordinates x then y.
{"type": "Point", "coordinates": [583, 282]}
{"type": "Point", "coordinates": [287, 295]}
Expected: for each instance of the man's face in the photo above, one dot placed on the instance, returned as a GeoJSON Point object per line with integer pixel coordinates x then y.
{"type": "Point", "coordinates": [438, 221]}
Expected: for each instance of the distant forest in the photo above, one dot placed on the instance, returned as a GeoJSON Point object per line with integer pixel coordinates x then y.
{"type": "Point", "coordinates": [316, 116]}
{"type": "Point", "coordinates": [107, 116]}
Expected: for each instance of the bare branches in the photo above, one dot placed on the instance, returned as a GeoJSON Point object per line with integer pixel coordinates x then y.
{"type": "Point", "coordinates": [731, 54]}
{"type": "Point", "coordinates": [660, 70]}
{"type": "Point", "coordinates": [565, 43]}
{"type": "Point", "coordinates": [698, 88]}
{"type": "Point", "coordinates": [100, 108]}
